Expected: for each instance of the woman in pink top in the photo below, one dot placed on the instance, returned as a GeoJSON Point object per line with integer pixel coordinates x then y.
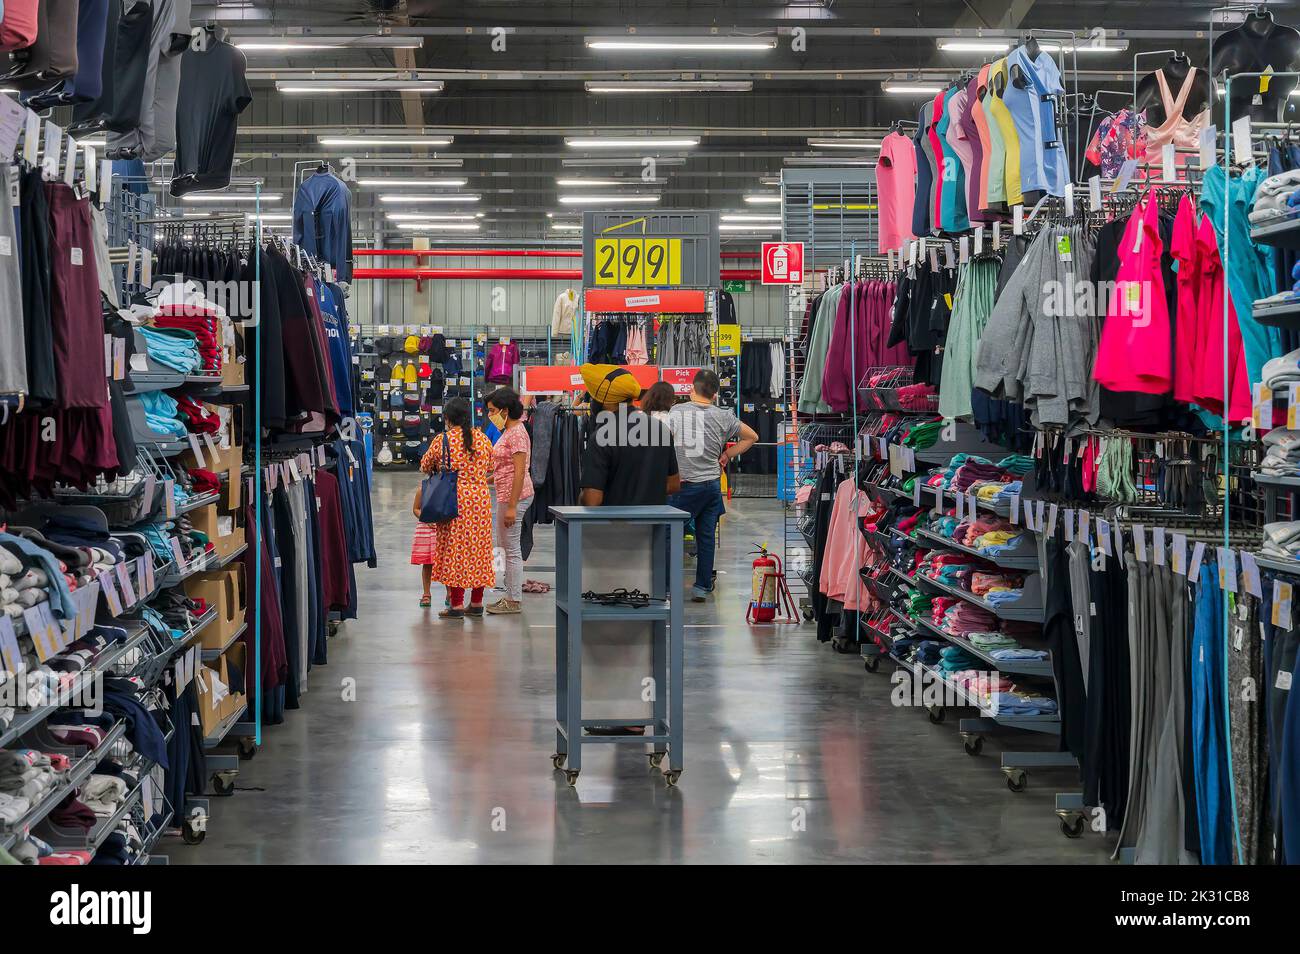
{"type": "Point", "coordinates": [1134, 352]}
{"type": "Point", "coordinates": [512, 490]}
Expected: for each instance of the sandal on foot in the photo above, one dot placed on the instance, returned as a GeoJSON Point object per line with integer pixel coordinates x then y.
{"type": "Point", "coordinates": [474, 611]}
{"type": "Point", "coordinates": [451, 613]}
{"type": "Point", "coordinates": [426, 601]}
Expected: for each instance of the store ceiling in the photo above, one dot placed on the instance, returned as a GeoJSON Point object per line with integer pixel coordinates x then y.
{"type": "Point", "coordinates": [515, 81]}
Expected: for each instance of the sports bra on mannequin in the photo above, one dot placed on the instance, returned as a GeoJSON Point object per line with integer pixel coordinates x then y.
{"type": "Point", "coordinates": [1183, 132]}
{"type": "Point", "coordinates": [1175, 71]}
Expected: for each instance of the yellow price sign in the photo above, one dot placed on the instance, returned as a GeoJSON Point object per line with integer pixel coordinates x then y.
{"type": "Point", "coordinates": [727, 343]}
{"type": "Point", "coordinates": [606, 261]}
{"type": "Point", "coordinates": [631, 262]}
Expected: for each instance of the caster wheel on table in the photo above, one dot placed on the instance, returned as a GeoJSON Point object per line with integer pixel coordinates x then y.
{"type": "Point", "coordinates": [191, 835]}
{"type": "Point", "coordinates": [656, 759]}
{"type": "Point", "coordinates": [247, 749]}
{"type": "Point", "coordinates": [808, 616]}
{"type": "Point", "coordinates": [1017, 780]}
{"type": "Point", "coordinates": [873, 664]}
{"type": "Point", "coordinates": [974, 746]}
{"type": "Point", "coordinates": [671, 777]}
{"type": "Point", "coordinates": [571, 777]}
{"type": "Point", "coordinates": [223, 786]}
{"type": "Point", "coordinates": [1072, 829]}
{"type": "Point", "coordinates": [558, 759]}
{"type": "Point", "coordinates": [936, 714]}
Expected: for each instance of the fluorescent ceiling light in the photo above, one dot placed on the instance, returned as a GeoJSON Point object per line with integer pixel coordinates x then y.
{"type": "Point", "coordinates": [404, 161]}
{"type": "Point", "coordinates": [740, 227]}
{"type": "Point", "coordinates": [566, 226]}
{"type": "Point", "coordinates": [268, 216]}
{"type": "Point", "coordinates": [718, 44]}
{"type": "Point", "coordinates": [357, 86]}
{"type": "Point", "coordinates": [423, 199]}
{"type": "Point", "coordinates": [749, 217]}
{"type": "Point", "coordinates": [275, 44]}
{"type": "Point", "coordinates": [412, 183]}
{"type": "Point", "coordinates": [384, 140]}
{"type": "Point", "coordinates": [433, 216]}
{"type": "Point", "coordinates": [826, 161]}
{"type": "Point", "coordinates": [93, 143]}
{"type": "Point", "coordinates": [232, 197]}
{"type": "Point", "coordinates": [843, 144]}
{"type": "Point", "coordinates": [608, 199]}
{"type": "Point", "coordinates": [1111, 46]}
{"type": "Point", "coordinates": [764, 198]}
{"type": "Point", "coordinates": [640, 142]}
{"type": "Point", "coordinates": [910, 88]}
{"type": "Point", "coordinates": [958, 45]}
{"type": "Point", "coordinates": [597, 162]}
{"type": "Point", "coordinates": [439, 226]}
{"type": "Point", "coordinates": [627, 180]}
{"type": "Point", "coordinates": [669, 86]}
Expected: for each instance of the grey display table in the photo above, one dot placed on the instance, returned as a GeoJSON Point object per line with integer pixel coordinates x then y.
{"type": "Point", "coordinates": [628, 547]}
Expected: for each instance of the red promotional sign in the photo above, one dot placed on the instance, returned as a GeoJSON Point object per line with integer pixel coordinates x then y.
{"type": "Point", "coordinates": [554, 379]}
{"type": "Point", "coordinates": [783, 263]}
{"type": "Point", "coordinates": [664, 301]}
{"type": "Point", "coordinates": [682, 379]}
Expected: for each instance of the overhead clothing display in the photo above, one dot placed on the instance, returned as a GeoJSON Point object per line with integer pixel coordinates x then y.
{"type": "Point", "coordinates": [896, 190]}
{"type": "Point", "coordinates": [213, 92]}
{"type": "Point", "coordinates": [322, 220]}
{"type": "Point", "coordinates": [154, 135]}
{"type": "Point", "coordinates": [1028, 96]}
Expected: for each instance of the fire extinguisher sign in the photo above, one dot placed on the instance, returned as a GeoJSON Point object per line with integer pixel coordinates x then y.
{"type": "Point", "coordinates": [783, 263]}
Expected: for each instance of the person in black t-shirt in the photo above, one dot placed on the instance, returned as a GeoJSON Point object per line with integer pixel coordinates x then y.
{"type": "Point", "coordinates": [630, 459]}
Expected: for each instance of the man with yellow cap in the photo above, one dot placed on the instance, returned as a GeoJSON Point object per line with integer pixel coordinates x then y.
{"type": "Point", "coordinates": [630, 459]}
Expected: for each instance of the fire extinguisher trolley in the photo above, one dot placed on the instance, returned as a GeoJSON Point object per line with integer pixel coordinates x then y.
{"type": "Point", "coordinates": [662, 609]}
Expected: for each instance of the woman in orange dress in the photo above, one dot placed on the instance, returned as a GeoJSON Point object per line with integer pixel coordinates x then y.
{"type": "Point", "coordinates": [463, 559]}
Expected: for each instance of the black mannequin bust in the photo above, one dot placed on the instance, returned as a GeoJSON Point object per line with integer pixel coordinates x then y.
{"type": "Point", "coordinates": [1175, 72]}
{"type": "Point", "coordinates": [1032, 48]}
{"type": "Point", "coordinates": [1253, 47]}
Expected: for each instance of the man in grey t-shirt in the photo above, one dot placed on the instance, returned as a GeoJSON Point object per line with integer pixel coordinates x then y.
{"type": "Point", "coordinates": [701, 433]}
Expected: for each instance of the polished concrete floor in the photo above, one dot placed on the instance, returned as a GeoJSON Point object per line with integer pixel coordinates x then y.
{"type": "Point", "coordinates": [429, 741]}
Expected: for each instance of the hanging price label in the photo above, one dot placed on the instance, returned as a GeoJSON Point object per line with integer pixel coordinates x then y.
{"type": "Point", "coordinates": [1227, 569]}
{"type": "Point", "coordinates": [1280, 612]}
{"type": "Point", "coordinates": [1250, 575]}
{"type": "Point", "coordinates": [1179, 554]}
{"type": "Point", "coordinates": [1094, 194]}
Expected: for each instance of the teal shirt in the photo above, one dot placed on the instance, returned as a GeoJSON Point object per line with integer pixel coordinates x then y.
{"type": "Point", "coordinates": [953, 208]}
{"type": "Point", "coordinates": [1248, 266]}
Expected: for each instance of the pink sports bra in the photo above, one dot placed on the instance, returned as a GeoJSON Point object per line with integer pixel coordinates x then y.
{"type": "Point", "coordinates": [1182, 132]}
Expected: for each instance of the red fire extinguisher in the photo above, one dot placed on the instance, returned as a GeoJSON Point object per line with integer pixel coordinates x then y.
{"type": "Point", "coordinates": [769, 592]}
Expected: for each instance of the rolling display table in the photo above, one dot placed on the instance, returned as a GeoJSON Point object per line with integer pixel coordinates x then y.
{"type": "Point", "coordinates": [601, 549]}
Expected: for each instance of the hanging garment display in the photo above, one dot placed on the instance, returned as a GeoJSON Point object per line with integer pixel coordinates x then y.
{"type": "Point", "coordinates": [213, 92]}
{"type": "Point", "coordinates": [896, 189]}
{"type": "Point", "coordinates": [322, 220]}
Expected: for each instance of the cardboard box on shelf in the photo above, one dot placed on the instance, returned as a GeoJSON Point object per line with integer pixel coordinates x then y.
{"type": "Point", "coordinates": [211, 679]}
{"type": "Point", "coordinates": [226, 591]}
{"type": "Point", "coordinates": [221, 529]}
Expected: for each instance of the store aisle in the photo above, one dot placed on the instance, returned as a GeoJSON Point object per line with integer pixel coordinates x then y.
{"type": "Point", "coordinates": [794, 753]}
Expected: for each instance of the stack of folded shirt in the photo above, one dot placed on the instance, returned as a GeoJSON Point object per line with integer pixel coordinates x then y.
{"type": "Point", "coordinates": [1272, 198]}
{"type": "Point", "coordinates": [1017, 464]}
{"type": "Point", "coordinates": [28, 774]}
{"type": "Point", "coordinates": [923, 435]}
{"type": "Point", "coordinates": [954, 658]}
{"type": "Point", "coordinates": [1279, 372]}
{"type": "Point", "coordinates": [202, 323]}
{"type": "Point", "coordinates": [173, 347]}
{"type": "Point", "coordinates": [102, 794]}
{"type": "Point", "coordinates": [1282, 540]}
{"type": "Point", "coordinates": [1019, 702]}
{"type": "Point", "coordinates": [928, 651]}
{"type": "Point", "coordinates": [986, 584]}
{"type": "Point", "coordinates": [989, 641]}
{"type": "Point", "coordinates": [1281, 453]}
{"type": "Point", "coordinates": [965, 618]}
{"type": "Point", "coordinates": [160, 410]}
{"type": "Point", "coordinates": [916, 397]}
{"type": "Point", "coordinates": [973, 472]}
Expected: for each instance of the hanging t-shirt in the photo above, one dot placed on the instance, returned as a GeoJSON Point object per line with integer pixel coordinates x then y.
{"type": "Point", "coordinates": [213, 94]}
{"type": "Point", "coordinates": [501, 361]}
{"type": "Point", "coordinates": [924, 176]}
{"type": "Point", "coordinates": [1007, 162]}
{"type": "Point", "coordinates": [896, 189]}
{"type": "Point", "coordinates": [1043, 165]}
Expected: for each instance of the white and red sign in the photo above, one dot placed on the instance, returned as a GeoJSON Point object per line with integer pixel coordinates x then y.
{"type": "Point", "coordinates": [681, 379]}
{"type": "Point", "coordinates": [783, 263]}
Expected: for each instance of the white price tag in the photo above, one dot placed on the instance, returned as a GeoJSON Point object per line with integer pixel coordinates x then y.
{"type": "Point", "coordinates": [1178, 553]}
{"type": "Point", "coordinates": [1241, 150]}
{"type": "Point", "coordinates": [1227, 569]}
{"type": "Point", "coordinates": [1208, 142]}
{"type": "Point", "coordinates": [53, 152]}
{"type": "Point", "coordinates": [1140, 542]}
{"type": "Point", "coordinates": [1015, 508]}
{"type": "Point", "coordinates": [1280, 613]}
{"type": "Point", "coordinates": [1250, 575]}
{"type": "Point", "coordinates": [1158, 546]}
{"type": "Point", "coordinates": [1094, 194]}
{"type": "Point", "coordinates": [1168, 162]}
{"type": "Point", "coordinates": [1018, 219]}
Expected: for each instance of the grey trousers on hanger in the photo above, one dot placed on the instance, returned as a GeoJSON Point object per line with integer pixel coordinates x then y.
{"type": "Point", "coordinates": [301, 544]}
{"type": "Point", "coordinates": [155, 134]}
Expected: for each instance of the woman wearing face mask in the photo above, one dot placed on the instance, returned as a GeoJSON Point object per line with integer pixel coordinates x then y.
{"type": "Point", "coordinates": [513, 489]}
